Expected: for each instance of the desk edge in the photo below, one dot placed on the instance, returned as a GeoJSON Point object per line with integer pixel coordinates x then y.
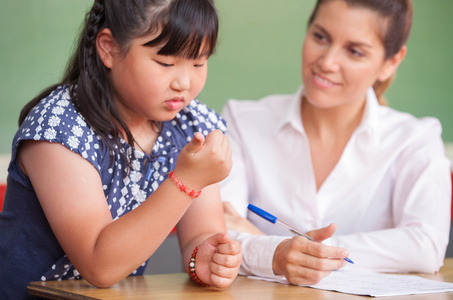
{"type": "Point", "coordinates": [36, 289]}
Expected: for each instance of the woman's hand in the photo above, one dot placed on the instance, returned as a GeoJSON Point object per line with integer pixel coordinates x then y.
{"type": "Point", "coordinates": [234, 221]}
{"type": "Point", "coordinates": [204, 161]}
{"type": "Point", "coordinates": [304, 262]}
{"type": "Point", "coordinates": [218, 260]}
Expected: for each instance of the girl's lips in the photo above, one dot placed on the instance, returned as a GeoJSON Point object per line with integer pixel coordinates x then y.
{"type": "Point", "coordinates": [175, 103]}
{"type": "Point", "coordinates": [322, 81]}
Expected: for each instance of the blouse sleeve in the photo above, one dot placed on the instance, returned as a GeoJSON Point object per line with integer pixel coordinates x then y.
{"type": "Point", "coordinates": [234, 188]}
{"type": "Point", "coordinates": [257, 250]}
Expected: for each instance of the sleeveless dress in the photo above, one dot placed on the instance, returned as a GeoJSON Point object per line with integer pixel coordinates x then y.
{"type": "Point", "coordinates": [29, 250]}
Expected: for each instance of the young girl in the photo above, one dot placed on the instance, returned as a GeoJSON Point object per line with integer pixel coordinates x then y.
{"type": "Point", "coordinates": [331, 157]}
{"type": "Point", "coordinates": [109, 160]}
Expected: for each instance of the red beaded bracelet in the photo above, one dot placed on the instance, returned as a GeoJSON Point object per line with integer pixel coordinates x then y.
{"type": "Point", "coordinates": [182, 187]}
{"type": "Point", "coordinates": [192, 273]}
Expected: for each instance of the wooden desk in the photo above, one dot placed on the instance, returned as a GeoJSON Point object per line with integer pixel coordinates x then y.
{"type": "Point", "coordinates": [179, 286]}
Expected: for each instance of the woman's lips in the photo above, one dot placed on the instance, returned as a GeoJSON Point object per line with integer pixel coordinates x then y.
{"type": "Point", "coordinates": [322, 81]}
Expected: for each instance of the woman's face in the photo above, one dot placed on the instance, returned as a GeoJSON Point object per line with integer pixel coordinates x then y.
{"type": "Point", "coordinates": [342, 55]}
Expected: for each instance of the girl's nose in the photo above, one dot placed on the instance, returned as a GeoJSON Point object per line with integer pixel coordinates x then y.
{"type": "Point", "coordinates": [181, 82]}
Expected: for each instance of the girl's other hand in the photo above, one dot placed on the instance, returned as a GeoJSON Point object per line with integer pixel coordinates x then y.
{"type": "Point", "coordinates": [204, 161]}
{"type": "Point", "coordinates": [218, 260]}
{"type": "Point", "coordinates": [304, 262]}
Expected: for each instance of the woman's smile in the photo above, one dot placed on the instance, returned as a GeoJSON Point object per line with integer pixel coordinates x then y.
{"type": "Point", "coordinates": [323, 81]}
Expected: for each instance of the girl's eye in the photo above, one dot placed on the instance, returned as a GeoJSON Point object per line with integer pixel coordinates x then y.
{"type": "Point", "coordinates": [164, 64]}
{"type": "Point", "coordinates": [198, 65]}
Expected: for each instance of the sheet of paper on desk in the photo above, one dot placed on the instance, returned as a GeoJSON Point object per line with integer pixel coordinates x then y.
{"type": "Point", "coordinates": [375, 284]}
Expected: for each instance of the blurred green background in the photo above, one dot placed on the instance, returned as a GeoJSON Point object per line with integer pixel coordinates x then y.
{"type": "Point", "coordinates": [258, 54]}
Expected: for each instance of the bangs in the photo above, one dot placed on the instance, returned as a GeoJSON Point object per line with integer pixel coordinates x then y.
{"type": "Point", "coordinates": [189, 30]}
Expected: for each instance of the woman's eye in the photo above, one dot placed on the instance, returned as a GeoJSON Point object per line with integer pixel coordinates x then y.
{"type": "Point", "coordinates": [318, 36]}
{"type": "Point", "coordinates": [356, 52]}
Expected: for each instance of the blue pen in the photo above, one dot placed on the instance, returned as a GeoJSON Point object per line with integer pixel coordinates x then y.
{"type": "Point", "coordinates": [273, 219]}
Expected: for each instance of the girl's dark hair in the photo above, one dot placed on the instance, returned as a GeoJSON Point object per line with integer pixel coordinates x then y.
{"type": "Point", "coordinates": [189, 29]}
{"type": "Point", "coordinates": [397, 15]}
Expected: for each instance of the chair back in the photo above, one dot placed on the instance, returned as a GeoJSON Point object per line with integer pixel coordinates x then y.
{"type": "Point", "coordinates": [2, 194]}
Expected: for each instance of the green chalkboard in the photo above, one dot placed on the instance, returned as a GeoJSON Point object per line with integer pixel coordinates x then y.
{"type": "Point", "coordinates": [258, 54]}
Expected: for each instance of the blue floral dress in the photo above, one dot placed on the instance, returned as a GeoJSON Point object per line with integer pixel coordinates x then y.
{"type": "Point", "coordinates": [126, 186]}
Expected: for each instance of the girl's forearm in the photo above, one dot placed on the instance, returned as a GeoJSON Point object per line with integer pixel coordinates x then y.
{"type": "Point", "coordinates": [124, 244]}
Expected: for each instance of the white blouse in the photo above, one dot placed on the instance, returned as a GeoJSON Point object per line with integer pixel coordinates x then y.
{"type": "Point", "coordinates": [389, 194]}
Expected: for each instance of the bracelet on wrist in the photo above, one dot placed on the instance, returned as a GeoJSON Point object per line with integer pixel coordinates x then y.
{"type": "Point", "coordinates": [182, 187]}
{"type": "Point", "coordinates": [191, 268]}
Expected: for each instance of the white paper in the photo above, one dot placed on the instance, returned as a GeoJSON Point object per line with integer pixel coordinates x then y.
{"type": "Point", "coordinates": [374, 284]}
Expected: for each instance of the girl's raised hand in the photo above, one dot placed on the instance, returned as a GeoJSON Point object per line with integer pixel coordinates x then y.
{"type": "Point", "coordinates": [218, 260]}
{"type": "Point", "coordinates": [204, 161]}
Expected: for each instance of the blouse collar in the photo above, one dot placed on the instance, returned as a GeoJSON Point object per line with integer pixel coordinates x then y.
{"type": "Point", "coordinates": [367, 126]}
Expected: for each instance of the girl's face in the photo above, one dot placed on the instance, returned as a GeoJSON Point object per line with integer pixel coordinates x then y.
{"type": "Point", "coordinates": [342, 55]}
{"type": "Point", "coordinates": [149, 86]}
